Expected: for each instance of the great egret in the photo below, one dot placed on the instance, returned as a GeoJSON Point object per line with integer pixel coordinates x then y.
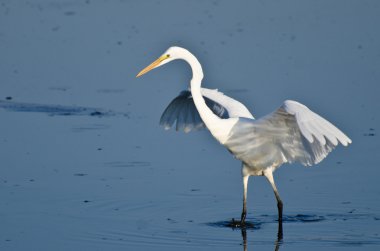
{"type": "Point", "coordinates": [289, 134]}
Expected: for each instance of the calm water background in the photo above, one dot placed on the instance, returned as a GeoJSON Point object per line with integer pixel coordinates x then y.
{"type": "Point", "coordinates": [84, 164]}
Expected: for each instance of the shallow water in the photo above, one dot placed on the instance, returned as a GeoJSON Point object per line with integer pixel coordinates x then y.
{"type": "Point", "coordinates": [85, 165]}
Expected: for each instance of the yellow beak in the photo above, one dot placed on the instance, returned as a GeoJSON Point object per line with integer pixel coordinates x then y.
{"type": "Point", "coordinates": [152, 65]}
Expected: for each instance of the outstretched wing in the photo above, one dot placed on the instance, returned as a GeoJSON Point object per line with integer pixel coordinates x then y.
{"type": "Point", "coordinates": [182, 112]}
{"type": "Point", "coordinates": [291, 133]}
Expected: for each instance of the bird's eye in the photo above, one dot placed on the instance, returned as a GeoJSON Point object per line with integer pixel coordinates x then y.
{"type": "Point", "coordinates": [167, 55]}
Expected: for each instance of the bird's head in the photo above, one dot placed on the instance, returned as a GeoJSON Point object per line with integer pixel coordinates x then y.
{"type": "Point", "coordinates": [169, 55]}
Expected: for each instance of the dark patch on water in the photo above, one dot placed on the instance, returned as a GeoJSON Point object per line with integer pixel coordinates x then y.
{"type": "Point", "coordinates": [58, 110]}
{"type": "Point", "coordinates": [370, 133]}
{"type": "Point", "coordinates": [171, 220]}
{"type": "Point", "coordinates": [90, 127]}
{"type": "Point", "coordinates": [235, 224]}
{"type": "Point", "coordinates": [58, 88]}
{"type": "Point", "coordinates": [55, 28]}
{"type": "Point", "coordinates": [256, 223]}
{"type": "Point", "coordinates": [127, 164]}
{"type": "Point", "coordinates": [69, 13]}
{"type": "Point", "coordinates": [303, 218]}
{"type": "Point", "coordinates": [96, 113]}
{"type": "Point", "coordinates": [111, 91]}
{"type": "Point", "coordinates": [306, 218]}
{"type": "Point", "coordinates": [80, 174]}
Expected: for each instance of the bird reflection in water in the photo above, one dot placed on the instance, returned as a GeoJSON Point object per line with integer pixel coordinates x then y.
{"type": "Point", "coordinates": [277, 242]}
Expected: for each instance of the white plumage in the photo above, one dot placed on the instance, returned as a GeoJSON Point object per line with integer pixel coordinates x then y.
{"type": "Point", "coordinates": [292, 133]}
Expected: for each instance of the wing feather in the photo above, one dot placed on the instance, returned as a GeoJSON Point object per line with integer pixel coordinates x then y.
{"type": "Point", "coordinates": [289, 134]}
{"type": "Point", "coordinates": [182, 113]}
{"type": "Point", "coordinates": [170, 114]}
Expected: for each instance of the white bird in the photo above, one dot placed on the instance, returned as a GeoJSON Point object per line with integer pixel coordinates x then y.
{"type": "Point", "coordinates": [292, 133]}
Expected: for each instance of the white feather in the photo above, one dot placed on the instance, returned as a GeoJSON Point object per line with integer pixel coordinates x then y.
{"type": "Point", "coordinates": [291, 133]}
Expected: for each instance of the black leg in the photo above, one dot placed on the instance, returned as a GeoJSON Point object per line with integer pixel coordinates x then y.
{"type": "Point", "coordinates": [243, 214]}
{"type": "Point", "coordinates": [279, 207]}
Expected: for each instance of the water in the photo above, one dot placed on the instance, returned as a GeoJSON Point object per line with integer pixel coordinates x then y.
{"type": "Point", "coordinates": [85, 165]}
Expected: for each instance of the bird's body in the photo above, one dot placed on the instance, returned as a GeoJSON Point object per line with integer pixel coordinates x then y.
{"type": "Point", "coordinates": [292, 133]}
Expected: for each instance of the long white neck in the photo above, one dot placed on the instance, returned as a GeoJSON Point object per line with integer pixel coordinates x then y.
{"type": "Point", "coordinates": [212, 121]}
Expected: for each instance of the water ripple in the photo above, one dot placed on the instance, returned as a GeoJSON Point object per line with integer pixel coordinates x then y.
{"type": "Point", "coordinates": [162, 224]}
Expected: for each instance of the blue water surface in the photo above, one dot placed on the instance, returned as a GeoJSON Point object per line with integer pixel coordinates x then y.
{"type": "Point", "coordinates": [84, 164]}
